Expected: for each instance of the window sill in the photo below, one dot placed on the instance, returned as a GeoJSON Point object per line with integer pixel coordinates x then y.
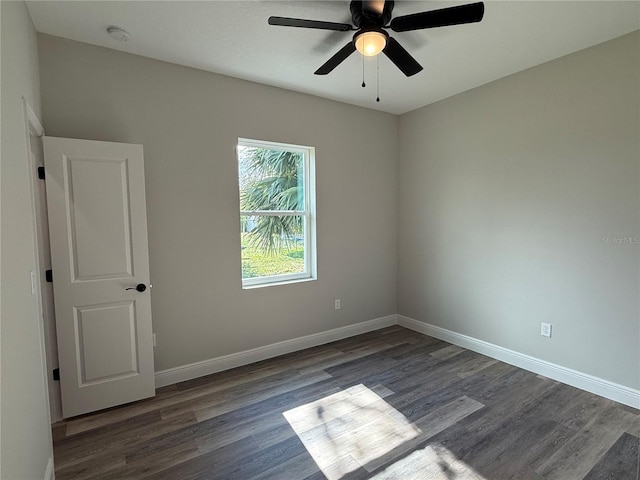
{"type": "Point", "coordinates": [283, 282]}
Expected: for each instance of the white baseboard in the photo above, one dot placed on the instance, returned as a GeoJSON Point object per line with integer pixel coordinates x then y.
{"type": "Point", "coordinates": [218, 364]}
{"type": "Point", "coordinates": [598, 386]}
{"type": "Point", "coordinates": [49, 473]}
{"type": "Point", "coordinates": [604, 388]}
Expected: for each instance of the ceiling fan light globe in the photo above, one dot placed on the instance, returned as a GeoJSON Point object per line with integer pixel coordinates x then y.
{"type": "Point", "coordinates": [371, 43]}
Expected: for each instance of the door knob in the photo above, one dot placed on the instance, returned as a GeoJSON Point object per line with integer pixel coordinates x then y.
{"type": "Point", "coordinates": [141, 287]}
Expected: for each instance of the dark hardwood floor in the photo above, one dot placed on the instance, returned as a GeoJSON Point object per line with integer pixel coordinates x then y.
{"type": "Point", "coordinates": [390, 404]}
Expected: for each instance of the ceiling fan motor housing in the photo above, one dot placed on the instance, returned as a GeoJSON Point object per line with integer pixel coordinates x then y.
{"type": "Point", "coordinates": [366, 19]}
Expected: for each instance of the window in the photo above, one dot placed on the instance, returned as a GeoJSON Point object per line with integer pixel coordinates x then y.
{"type": "Point", "coordinates": [277, 215]}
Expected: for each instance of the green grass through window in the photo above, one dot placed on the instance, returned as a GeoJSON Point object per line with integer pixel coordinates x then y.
{"type": "Point", "coordinates": [256, 263]}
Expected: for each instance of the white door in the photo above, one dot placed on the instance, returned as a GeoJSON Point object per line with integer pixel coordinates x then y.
{"type": "Point", "coordinates": [99, 255]}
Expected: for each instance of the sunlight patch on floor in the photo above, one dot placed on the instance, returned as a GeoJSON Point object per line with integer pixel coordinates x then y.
{"type": "Point", "coordinates": [433, 462]}
{"type": "Point", "coordinates": [345, 431]}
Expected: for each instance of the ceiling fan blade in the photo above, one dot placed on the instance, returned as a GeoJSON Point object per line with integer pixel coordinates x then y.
{"type": "Point", "coordinates": [470, 13]}
{"type": "Point", "coordinates": [299, 22]}
{"type": "Point", "coordinates": [337, 59]}
{"type": "Point", "coordinates": [402, 59]}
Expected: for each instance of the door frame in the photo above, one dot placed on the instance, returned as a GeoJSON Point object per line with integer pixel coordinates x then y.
{"type": "Point", "coordinates": [34, 132]}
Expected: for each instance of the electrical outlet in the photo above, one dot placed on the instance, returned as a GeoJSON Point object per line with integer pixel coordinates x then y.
{"type": "Point", "coordinates": [336, 303]}
{"type": "Point", "coordinates": [545, 329]}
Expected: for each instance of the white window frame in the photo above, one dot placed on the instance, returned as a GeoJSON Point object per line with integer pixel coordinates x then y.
{"type": "Point", "coordinates": [309, 215]}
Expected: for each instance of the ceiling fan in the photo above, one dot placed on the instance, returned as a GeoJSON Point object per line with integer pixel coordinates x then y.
{"type": "Point", "coordinates": [370, 19]}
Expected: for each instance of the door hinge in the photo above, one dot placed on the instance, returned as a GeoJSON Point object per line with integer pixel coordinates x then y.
{"type": "Point", "coordinates": [56, 374]}
{"type": "Point", "coordinates": [48, 276]}
{"type": "Point", "coordinates": [41, 173]}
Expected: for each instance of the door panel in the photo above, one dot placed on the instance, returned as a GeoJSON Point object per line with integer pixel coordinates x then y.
{"type": "Point", "coordinates": [97, 222]}
{"type": "Point", "coordinates": [107, 342]}
{"type": "Point", "coordinates": [99, 217]}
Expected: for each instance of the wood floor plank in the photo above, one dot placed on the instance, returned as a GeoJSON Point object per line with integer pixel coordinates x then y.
{"type": "Point", "coordinates": [265, 368]}
{"type": "Point", "coordinates": [92, 469]}
{"type": "Point", "coordinates": [300, 466]}
{"type": "Point", "coordinates": [447, 352]}
{"type": "Point", "coordinates": [524, 438]}
{"type": "Point", "coordinates": [168, 398]}
{"type": "Point", "coordinates": [525, 450]}
{"type": "Point", "coordinates": [273, 425]}
{"type": "Point", "coordinates": [622, 460]}
{"type": "Point", "coordinates": [478, 364]}
{"type": "Point", "coordinates": [343, 466]}
{"type": "Point", "coordinates": [245, 421]}
{"type": "Point", "coordinates": [428, 426]}
{"type": "Point", "coordinates": [58, 431]}
{"type": "Point", "coordinates": [245, 392]}
{"type": "Point", "coordinates": [484, 429]}
{"type": "Point", "coordinates": [412, 402]}
{"type": "Point", "coordinates": [428, 463]}
{"type": "Point", "coordinates": [434, 410]}
{"type": "Point", "coordinates": [255, 462]}
{"type": "Point", "coordinates": [277, 434]}
{"type": "Point", "coordinates": [251, 409]}
{"type": "Point", "coordinates": [578, 456]}
{"type": "Point", "coordinates": [153, 464]}
{"type": "Point", "coordinates": [581, 408]}
{"type": "Point", "coordinates": [120, 437]}
{"type": "Point", "coordinates": [209, 465]}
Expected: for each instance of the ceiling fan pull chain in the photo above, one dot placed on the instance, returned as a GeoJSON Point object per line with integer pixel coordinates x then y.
{"type": "Point", "coordinates": [363, 84]}
{"type": "Point", "coordinates": [378, 77]}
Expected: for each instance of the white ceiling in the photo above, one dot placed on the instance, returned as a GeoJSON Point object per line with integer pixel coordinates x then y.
{"type": "Point", "coordinates": [233, 38]}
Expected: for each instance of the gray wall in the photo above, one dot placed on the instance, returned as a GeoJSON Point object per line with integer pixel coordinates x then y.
{"type": "Point", "coordinates": [25, 433]}
{"type": "Point", "coordinates": [506, 194]}
{"type": "Point", "coordinates": [189, 122]}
